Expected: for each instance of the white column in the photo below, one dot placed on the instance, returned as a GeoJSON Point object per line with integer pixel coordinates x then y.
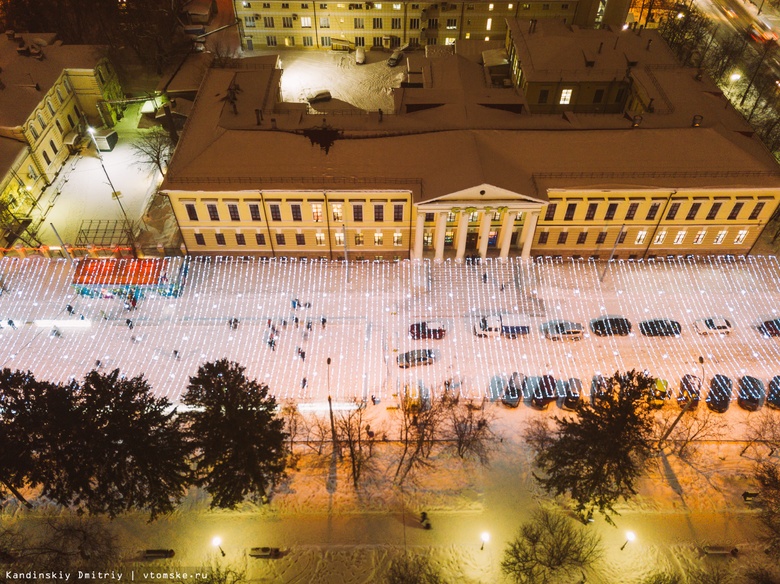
{"type": "Point", "coordinates": [463, 232]}
{"type": "Point", "coordinates": [419, 234]}
{"type": "Point", "coordinates": [529, 228]}
{"type": "Point", "coordinates": [441, 228]}
{"type": "Point", "coordinates": [484, 231]}
{"type": "Point", "coordinates": [507, 227]}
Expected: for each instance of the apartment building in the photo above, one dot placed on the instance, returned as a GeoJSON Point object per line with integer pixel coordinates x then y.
{"type": "Point", "coordinates": [47, 91]}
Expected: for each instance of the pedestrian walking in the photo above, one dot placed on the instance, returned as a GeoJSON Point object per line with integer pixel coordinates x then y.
{"type": "Point", "coordinates": [269, 323]}
{"type": "Point", "coordinates": [303, 355]}
{"type": "Point", "coordinates": [484, 277]}
{"type": "Point", "coordinates": [423, 517]}
{"type": "Point", "coordinates": [308, 325]}
{"type": "Point", "coordinates": [303, 383]}
{"type": "Point", "coordinates": [296, 322]}
{"type": "Point", "coordinates": [129, 323]}
{"type": "Point", "coordinates": [323, 320]}
{"type": "Point", "coordinates": [69, 308]}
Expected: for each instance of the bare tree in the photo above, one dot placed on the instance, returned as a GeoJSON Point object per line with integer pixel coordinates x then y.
{"type": "Point", "coordinates": [356, 440]}
{"type": "Point", "coordinates": [412, 569]}
{"type": "Point", "coordinates": [154, 148]}
{"type": "Point", "coordinates": [767, 474]}
{"type": "Point", "coordinates": [293, 422]}
{"type": "Point", "coordinates": [420, 427]}
{"type": "Point", "coordinates": [762, 429]}
{"type": "Point", "coordinates": [550, 548]}
{"type": "Point", "coordinates": [470, 431]}
{"type": "Point", "coordinates": [213, 573]}
{"type": "Point", "coordinates": [694, 427]}
{"type": "Point", "coordinates": [316, 431]}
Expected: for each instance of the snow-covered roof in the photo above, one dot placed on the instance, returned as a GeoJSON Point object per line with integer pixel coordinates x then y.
{"type": "Point", "coordinates": [20, 72]}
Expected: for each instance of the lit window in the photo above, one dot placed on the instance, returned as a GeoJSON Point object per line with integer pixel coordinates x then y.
{"type": "Point", "coordinates": [490, 7]}
{"type": "Point", "coordinates": [510, 6]}
{"type": "Point", "coordinates": [378, 239]}
{"type": "Point", "coordinates": [449, 41]}
{"type": "Point", "coordinates": [474, 217]}
{"type": "Point", "coordinates": [487, 38]}
{"type": "Point", "coordinates": [396, 7]}
{"type": "Point", "coordinates": [359, 239]}
{"type": "Point", "coordinates": [378, 6]}
{"type": "Point", "coordinates": [640, 237]}
{"type": "Point", "coordinates": [305, 21]}
{"type": "Point", "coordinates": [489, 22]}
{"type": "Point", "coordinates": [337, 213]}
{"type": "Point", "coordinates": [678, 239]}
{"type": "Point", "coordinates": [339, 237]}
{"type": "Point", "coordinates": [699, 236]}
{"type": "Point", "coordinates": [740, 236]}
{"type": "Point", "coordinates": [319, 238]}
{"type": "Point", "coordinates": [565, 96]}
{"type": "Point", "coordinates": [720, 237]}
{"type": "Point", "coordinates": [316, 212]}
{"type": "Point", "coordinates": [397, 239]}
{"type": "Point", "coordinates": [659, 238]}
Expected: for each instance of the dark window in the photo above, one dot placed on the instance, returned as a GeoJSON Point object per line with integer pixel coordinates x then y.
{"type": "Point", "coordinates": [379, 213]}
{"type": "Point", "coordinates": [46, 157]}
{"type": "Point", "coordinates": [620, 95]}
{"type": "Point", "coordinates": [260, 238]}
{"type": "Point", "coordinates": [570, 209]}
{"type": "Point", "coordinates": [300, 239]}
{"type": "Point", "coordinates": [591, 213]}
{"type": "Point", "coordinates": [280, 239]}
{"type": "Point", "coordinates": [692, 212]}
{"type": "Point", "coordinates": [220, 237]}
{"type": "Point", "coordinates": [233, 211]}
{"type": "Point", "coordinates": [53, 146]}
{"type": "Point", "coordinates": [672, 213]}
{"type": "Point", "coordinates": [756, 211]}
{"type": "Point", "coordinates": [199, 239]}
{"type": "Point", "coordinates": [611, 210]}
{"type": "Point", "coordinates": [653, 211]}
{"type": "Point", "coordinates": [430, 217]}
{"type": "Point", "coordinates": [357, 213]}
{"type": "Point", "coordinates": [714, 211]}
{"type": "Point", "coordinates": [602, 237]}
{"type": "Point", "coordinates": [598, 96]}
{"type": "Point", "coordinates": [254, 212]}
{"type": "Point", "coordinates": [582, 237]}
{"type": "Point", "coordinates": [296, 212]}
{"type": "Point", "coordinates": [276, 213]}
{"type": "Point", "coordinates": [377, 22]}
{"type": "Point", "coordinates": [543, 237]}
{"type": "Point", "coordinates": [213, 212]}
{"type": "Point", "coordinates": [192, 213]}
{"type": "Point", "coordinates": [398, 212]}
{"type": "Point", "coordinates": [544, 95]}
{"type": "Point", "coordinates": [622, 236]}
{"type": "Point", "coordinates": [562, 236]}
{"type": "Point", "coordinates": [240, 239]}
{"type": "Point", "coordinates": [735, 211]}
{"type": "Point", "coordinates": [631, 211]}
{"type": "Point", "coordinates": [550, 214]}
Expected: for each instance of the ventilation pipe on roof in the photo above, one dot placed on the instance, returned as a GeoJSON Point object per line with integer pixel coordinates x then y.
{"type": "Point", "coordinates": [258, 116]}
{"type": "Point", "coordinates": [617, 38]}
{"type": "Point", "coordinates": [696, 122]}
{"type": "Point", "coordinates": [649, 42]}
{"type": "Point", "coordinates": [601, 46]}
{"type": "Point", "coordinates": [636, 121]}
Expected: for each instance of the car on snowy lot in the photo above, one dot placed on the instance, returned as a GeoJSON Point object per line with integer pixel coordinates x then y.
{"type": "Point", "coordinates": [433, 329]}
{"type": "Point", "coordinates": [712, 325]}
{"type": "Point", "coordinates": [610, 325]}
{"type": "Point", "coordinates": [660, 327]}
{"type": "Point", "coordinates": [751, 393]}
{"type": "Point", "coordinates": [416, 357]}
{"type": "Point", "coordinates": [770, 327]}
{"type": "Point", "coordinates": [719, 396]}
{"type": "Point", "coordinates": [599, 388]}
{"type": "Point", "coordinates": [560, 330]}
{"type": "Point", "coordinates": [542, 391]}
{"type": "Point", "coordinates": [319, 95]}
{"type": "Point", "coordinates": [513, 393]}
{"type": "Point", "coordinates": [659, 394]}
{"type": "Point", "coordinates": [773, 396]}
{"type": "Point", "coordinates": [505, 325]}
{"type": "Point", "coordinates": [395, 58]}
{"type": "Point", "coordinates": [572, 392]}
{"type": "Point", "coordinates": [690, 391]}
{"type": "Point", "coordinates": [360, 55]}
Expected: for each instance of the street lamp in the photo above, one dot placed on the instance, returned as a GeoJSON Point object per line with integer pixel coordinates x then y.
{"type": "Point", "coordinates": [217, 543]}
{"type": "Point", "coordinates": [630, 536]}
{"type": "Point", "coordinates": [114, 192]}
{"type": "Point", "coordinates": [701, 362]}
{"type": "Point", "coordinates": [485, 538]}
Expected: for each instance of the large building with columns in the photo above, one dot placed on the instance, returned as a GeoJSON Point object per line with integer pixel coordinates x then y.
{"type": "Point", "coordinates": [461, 168]}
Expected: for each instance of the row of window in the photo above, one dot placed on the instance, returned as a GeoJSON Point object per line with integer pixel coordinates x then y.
{"type": "Point", "coordinates": [652, 212]}
{"type": "Point", "coordinates": [379, 5]}
{"type": "Point", "coordinates": [296, 212]}
{"type": "Point", "coordinates": [38, 122]}
{"type": "Point", "coordinates": [300, 239]}
{"type": "Point", "coordinates": [473, 217]}
{"type": "Point", "coordinates": [641, 237]}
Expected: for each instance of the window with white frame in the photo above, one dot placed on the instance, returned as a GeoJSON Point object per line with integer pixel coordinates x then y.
{"type": "Point", "coordinates": [316, 212]}
{"type": "Point", "coordinates": [339, 237]}
{"type": "Point", "coordinates": [379, 239]}
{"type": "Point", "coordinates": [720, 237]}
{"type": "Point", "coordinates": [305, 21]}
{"type": "Point", "coordinates": [680, 237]}
{"type": "Point", "coordinates": [397, 239]}
{"type": "Point", "coordinates": [319, 238]}
{"type": "Point", "coordinates": [741, 235]}
{"type": "Point", "coordinates": [640, 237]}
{"type": "Point", "coordinates": [699, 237]}
{"type": "Point", "coordinates": [659, 237]}
{"type": "Point", "coordinates": [565, 96]}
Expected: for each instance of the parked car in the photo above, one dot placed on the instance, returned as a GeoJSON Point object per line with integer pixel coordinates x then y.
{"type": "Point", "coordinates": [360, 55]}
{"type": "Point", "coordinates": [572, 395]}
{"type": "Point", "coordinates": [660, 327]}
{"type": "Point", "coordinates": [395, 58]}
{"type": "Point", "coordinates": [432, 329]}
{"type": "Point", "coordinates": [560, 330]}
{"type": "Point", "coordinates": [599, 388]}
{"type": "Point", "coordinates": [690, 391]}
{"type": "Point", "coordinates": [513, 394]}
{"type": "Point", "coordinates": [770, 327]}
{"type": "Point", "coordinates": [416, 357]}
{"type": "Point", "coordinates": [506, 325]}
{"type": "Point", "coordinates": [319, 95]}
{"type": "Point", "coordinates": [719, 396]}
{"type": "Point", "coordinates": [751, 393]}
{"type": "Point", "coordinates": [773, 396]}
{"type": "Point", "coordinates": [542, 391]}
{"type": "Point", "coordinates": [659, 393]}
{"type": "Point", "coordinates": [610, 325]}
{"type": "Point", "coordinates": [712, 325]}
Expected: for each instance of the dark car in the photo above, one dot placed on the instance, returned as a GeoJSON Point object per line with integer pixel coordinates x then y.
{"type": "Point", "coordinates": [660, 327]}
{"type": "Point", "coordinates": [416, 357]}
{"type": "Point", "coordinates": [751, 393]}
{"type": "Point", "coordinates": [773, 397]}
{"type": "Point", "coordinates": [719, 396]}
{"type": "Point", "coordinates": [427, 330]}
{"type": "Point", "coordinates": [610, 325]}
{"type": "Point", "coordinates": [770, 327]}
{"type": "Point", "coordinates": [542, 390]}
{"type": "Point", "coordinates": [513, 393]}
{"type": "Point", "coordinates": [572, 394]}
{"type": "Point", "coordinates": [690, 391]}
{"type": "Point", "coordinates": [599, 388]}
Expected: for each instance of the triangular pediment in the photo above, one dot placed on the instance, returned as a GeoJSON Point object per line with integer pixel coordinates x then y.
{"type": "Point", "coordinates": [483, 195]}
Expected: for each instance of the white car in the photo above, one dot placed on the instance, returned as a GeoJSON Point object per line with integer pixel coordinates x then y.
{"type": "Point", "coordinates": [712, 325]}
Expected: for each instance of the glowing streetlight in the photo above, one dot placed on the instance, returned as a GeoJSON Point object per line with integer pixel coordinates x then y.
{"type": "Point", "coordinates": [734, 77]}
{"type": "Point", "coordinates": [630, 536]}
{"type": "Point", "coordinates": [485, 538]}
{"type": "Point", "coordinates": [217, 543]}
